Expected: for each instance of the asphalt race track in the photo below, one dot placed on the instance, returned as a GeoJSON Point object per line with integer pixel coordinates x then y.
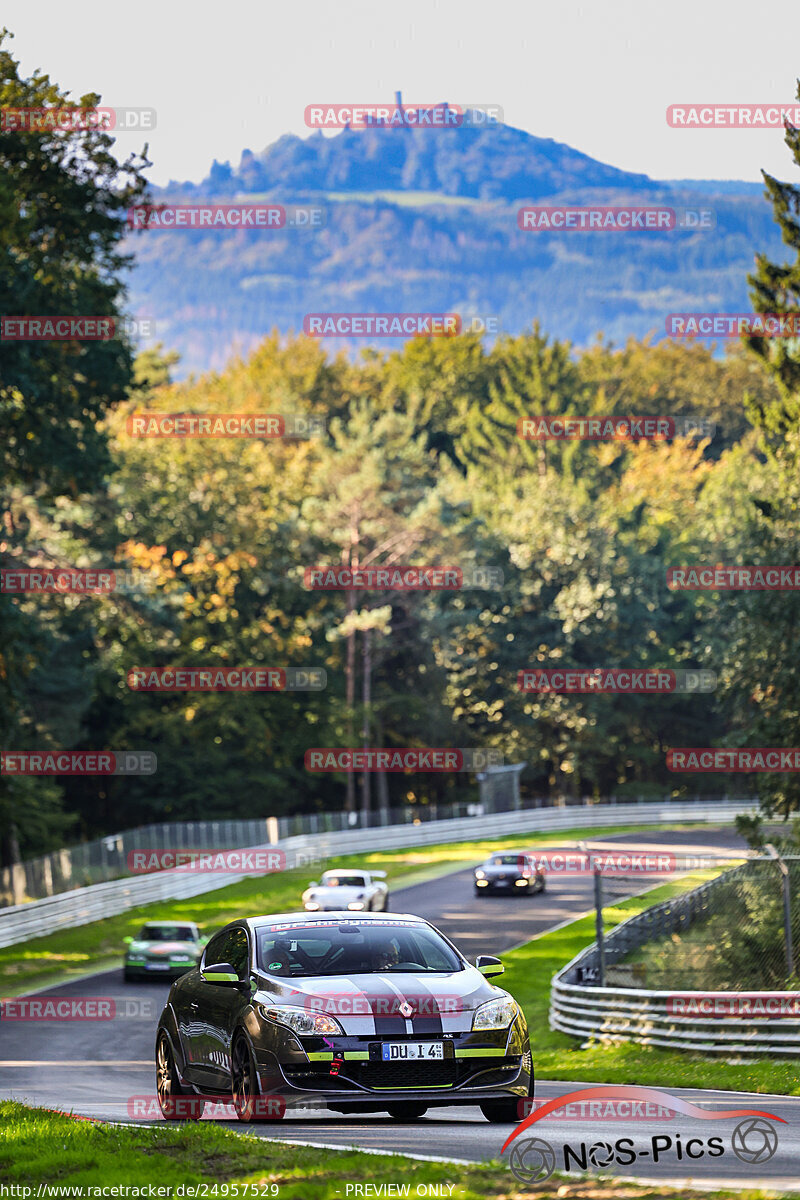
{"type": "Point", "coordinates": [105, 1068]}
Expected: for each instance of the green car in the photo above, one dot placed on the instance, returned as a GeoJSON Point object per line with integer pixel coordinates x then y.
{"type": "Point", "coordinates": [165, 948]}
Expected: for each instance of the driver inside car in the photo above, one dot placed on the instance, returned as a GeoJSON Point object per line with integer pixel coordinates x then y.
{"type": "Point", "coordinates": [386, 957]}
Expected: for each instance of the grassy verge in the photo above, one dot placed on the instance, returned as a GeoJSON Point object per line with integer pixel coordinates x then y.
{"type": "Point", "coordinates": [529, 971]}
{"type": "Point", "coordinates": [40, 1147]}
{"type": "Point", "coordinates": [54, 959]}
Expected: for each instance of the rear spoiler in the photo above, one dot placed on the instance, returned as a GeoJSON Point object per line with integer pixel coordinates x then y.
{"type": "Point", "coordinates": [378, 874]}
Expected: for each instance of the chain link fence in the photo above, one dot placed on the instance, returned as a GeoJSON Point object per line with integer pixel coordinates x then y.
{"type": "Point", "coordinates": [739, 932]}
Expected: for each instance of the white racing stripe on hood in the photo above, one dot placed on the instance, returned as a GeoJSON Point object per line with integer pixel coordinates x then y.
{"type": "Point", "coordinates": [347, 997]}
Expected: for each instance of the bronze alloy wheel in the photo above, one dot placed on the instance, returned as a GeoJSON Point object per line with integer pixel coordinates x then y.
{"type": "Point", "coordinates": [249, 1106]}
{"type": "Point", "coordinates": [174, 1102]}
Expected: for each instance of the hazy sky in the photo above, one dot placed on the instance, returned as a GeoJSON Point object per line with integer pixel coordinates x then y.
{"type": "Point", "coordinates": [599, 76]}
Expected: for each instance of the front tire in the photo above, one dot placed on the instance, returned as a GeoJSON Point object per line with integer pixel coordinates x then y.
{"type": "Point", "coordinates": [246, 1100]}
{"type": "Point", "coordinates": [175, 1102]}
{"type": "Point", "coordinates": [512, 1110]}
{"type": "Point", "coordinates": [407, 1111]}
{"type": "Point", "coordinates": [501, 1112]}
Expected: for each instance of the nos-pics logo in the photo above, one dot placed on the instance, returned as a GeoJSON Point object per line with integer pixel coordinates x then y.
{"type": "Point", "coordinates": [753, 1141]}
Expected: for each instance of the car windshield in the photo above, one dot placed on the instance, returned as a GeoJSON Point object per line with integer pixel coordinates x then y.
{"type": "Point", "coordinates": [350, 948]}
{"type": "Point", "coordinates": [343, 881]}
{"type": "Point", "coordinates": [167, 933]}
{"type": "Point", "coordinates": [504, 860]}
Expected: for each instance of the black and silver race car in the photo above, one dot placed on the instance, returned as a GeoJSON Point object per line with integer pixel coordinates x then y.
{"type": "Point", "coordinates": [509, 872]}
{"type": "Point", "coordinates": [358, 1013]}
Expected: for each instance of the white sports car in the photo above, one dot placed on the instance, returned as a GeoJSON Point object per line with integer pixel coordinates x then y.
{"type": "Point", "coordinates": [359, 891]}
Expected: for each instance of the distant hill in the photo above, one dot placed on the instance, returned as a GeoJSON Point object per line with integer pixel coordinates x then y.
{"type": "Point", "coordinates": [425, 220]}
{"type": "Point", "coordinates": [495, 163]}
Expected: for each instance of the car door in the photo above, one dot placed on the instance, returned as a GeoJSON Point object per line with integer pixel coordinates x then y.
{"type": "Point", "coordinates": [221, 1007]}
{"type": "Point", "coordinates": [192, 1015]}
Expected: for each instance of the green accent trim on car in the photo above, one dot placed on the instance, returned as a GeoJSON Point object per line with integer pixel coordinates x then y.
{"type": "Point", "coordinates": [220, 977]}
{"type": "Point", "coordinates": [421, 1087]}
{"type": "Point", "coordinates": [326, 1056]}
{"type": "Point", "coordinates": [491, 1052]}
{"type": "Point", "coordinates": [492, 969]}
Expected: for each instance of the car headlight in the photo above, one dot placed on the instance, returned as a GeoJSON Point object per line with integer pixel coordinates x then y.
{"type": "Point", "coordinates": [495, 1014]}
{"type": "Point", "coordinates": [480, 874]}
{"type": "Point", "coordinates": [356, 904]}
{"type": "Point", "coordinates": [302, 1021]}
{"type": "Point", "coordinates": [180, 958]}
{"type": "Point", "coordinates": [312, 905]}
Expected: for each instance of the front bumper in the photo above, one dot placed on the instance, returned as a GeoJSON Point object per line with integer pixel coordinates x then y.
{"type": "Point", "coordinates": [515, 884]}
{"type": "Point", "coordinates": [485, 1065]}
{"type": "Point", "coordinates": [157, 970]}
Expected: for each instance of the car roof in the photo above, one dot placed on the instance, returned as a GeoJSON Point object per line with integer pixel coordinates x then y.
{"type": "Point", "coordinates": [314, 918]}
{"type": "Point", "coordinates": [345, 871]}
{"type": "Point", "coordinates": [177, 921]}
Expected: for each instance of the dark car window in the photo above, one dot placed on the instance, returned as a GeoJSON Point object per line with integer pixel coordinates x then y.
{"type": "Point", "coordinates": [239, 953]}
{"type": "Point", "coordinates": [341, 948]}
{"type": "Point", "coordinates": [343, 881]}
{"type": "Point", "coordinates": [507, 860]}
{"type": "Point", "coordinates": [167, 933]}
{"type": "Point", "coordinates": [230, 945]}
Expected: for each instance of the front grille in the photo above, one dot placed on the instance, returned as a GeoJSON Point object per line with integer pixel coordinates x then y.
{"type": "Point", "coordinates": [378, 1076]}
{"type": "Point", "coordinates": [405, 1074]}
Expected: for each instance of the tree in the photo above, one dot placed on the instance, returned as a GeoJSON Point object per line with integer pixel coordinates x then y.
{"type": "Point", "coordinates": [63, 198]}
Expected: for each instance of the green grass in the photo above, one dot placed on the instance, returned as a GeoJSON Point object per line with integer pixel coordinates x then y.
{"type": "Point", "coordinates": [70, 953]}
{"type": "Point", "coordinates": [528, 973]}
{"type": "Point", "coordinates": [42, 1147]}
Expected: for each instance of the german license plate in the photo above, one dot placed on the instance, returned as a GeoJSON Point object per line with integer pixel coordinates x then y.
{"type": "Point", "coordinates": [158, 966]}
{"type": "Point", "coordinates": [404, 1051]}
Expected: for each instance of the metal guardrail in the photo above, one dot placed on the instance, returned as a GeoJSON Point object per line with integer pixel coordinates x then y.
{"type": "Point", "coordinates": [107, 858]}
{"type": "Point", "coordinates": [630, 1014]}
{"type": "Point", "coordinates": [22, 922]}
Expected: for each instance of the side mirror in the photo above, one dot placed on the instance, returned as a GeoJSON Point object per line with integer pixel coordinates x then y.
{"type": "Point", "coordinates": [222, 973]}
{"type": "Point", "coordinates": [128, 941]}
{"type": "Point", "coordinates": [489, 966]}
